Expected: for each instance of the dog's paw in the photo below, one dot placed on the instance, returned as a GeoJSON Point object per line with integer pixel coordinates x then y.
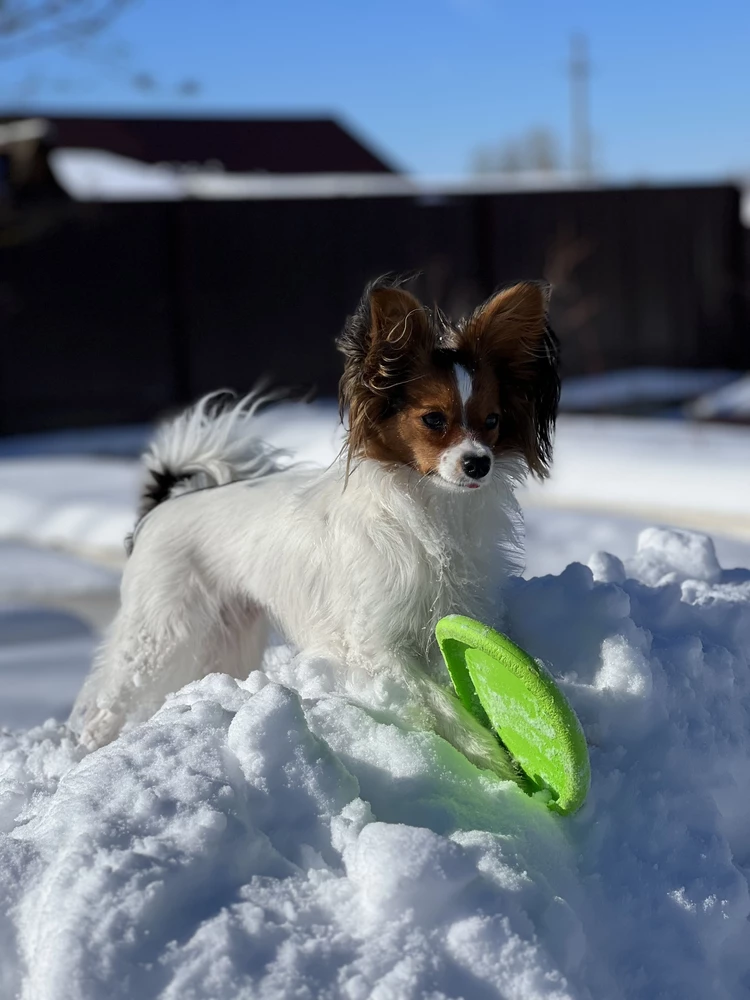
{"type": "Point", "coordinates": [99, 729]}
{"type": "Point", "coordinates": [492, 756]}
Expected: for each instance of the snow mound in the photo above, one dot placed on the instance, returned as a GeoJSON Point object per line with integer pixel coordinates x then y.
{"type": "Point", "coordinates": [272, 838]}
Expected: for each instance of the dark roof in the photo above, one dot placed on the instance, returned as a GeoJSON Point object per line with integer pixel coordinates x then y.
{"type": "Point", "coordinates": [276, 145]}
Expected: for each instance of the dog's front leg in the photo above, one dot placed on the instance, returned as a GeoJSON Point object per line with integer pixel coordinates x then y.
{"type": "Point", "coordinates": [455, 724]}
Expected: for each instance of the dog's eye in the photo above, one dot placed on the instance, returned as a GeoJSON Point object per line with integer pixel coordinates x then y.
{"type": "Point", "coordinates": [492, 421]}
{"type": "Point", "coordinates": [435, 421]}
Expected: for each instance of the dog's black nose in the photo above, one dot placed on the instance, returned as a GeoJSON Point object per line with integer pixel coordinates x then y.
{"type": "Point", "coordinates": [476, 466]}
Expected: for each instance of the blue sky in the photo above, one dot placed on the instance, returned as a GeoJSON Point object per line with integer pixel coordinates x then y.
{"type": "Point", "coordinates": [427, 81]}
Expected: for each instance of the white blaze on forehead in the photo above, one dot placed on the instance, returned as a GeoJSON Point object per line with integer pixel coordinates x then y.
{"type": "Point", "coordinates": [465, 386]}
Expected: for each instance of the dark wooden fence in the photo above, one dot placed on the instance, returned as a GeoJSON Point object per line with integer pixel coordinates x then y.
{"type": "Point", "coordinates": [119, 311]}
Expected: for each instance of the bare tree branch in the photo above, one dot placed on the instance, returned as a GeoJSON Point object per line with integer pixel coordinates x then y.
{"type": "Point", "coordinates": [29, 25]}
{"type": "Point", "coordinates": [537, 150]}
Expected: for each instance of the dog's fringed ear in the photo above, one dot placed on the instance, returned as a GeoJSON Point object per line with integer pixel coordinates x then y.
{"type": "Point", "coordinates": [400, 334]}
{"type": "Point", "coordinates": [382, 342]}
{"type": "Point", "coordinates": [511, 332]}
{"type": "Point", "coordinates": [512, 321]}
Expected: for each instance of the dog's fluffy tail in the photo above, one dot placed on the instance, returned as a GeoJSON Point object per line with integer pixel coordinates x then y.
{"type": "Point", "coordinates": [210, 444]}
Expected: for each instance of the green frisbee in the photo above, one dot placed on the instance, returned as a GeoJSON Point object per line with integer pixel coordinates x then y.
{"type": "Point", "coordinates": [506, 689]}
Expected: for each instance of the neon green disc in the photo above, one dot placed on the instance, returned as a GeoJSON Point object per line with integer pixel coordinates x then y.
{"type": "Point", "coordinates": [504, 687]}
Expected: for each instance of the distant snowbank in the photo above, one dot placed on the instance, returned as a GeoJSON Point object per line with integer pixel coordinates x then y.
{"type": "Point", "coordinates": [695, 475]}
{"type": "Point", "coordinates": [79, 504]}
{"type": "Point", "coordinates": [273, 838]}
{"type": "Point", "coordinates": [731, 402]}
{"type": "Point", "coordinates": [668, 472]}
{"type": "Point", "coordinates": [632, 388]}
{"type": "Point", "coordinates": [74, 499]}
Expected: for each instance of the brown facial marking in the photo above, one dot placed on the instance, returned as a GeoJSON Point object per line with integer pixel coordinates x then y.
{"type": "Point", "coordinates": [405, 438]}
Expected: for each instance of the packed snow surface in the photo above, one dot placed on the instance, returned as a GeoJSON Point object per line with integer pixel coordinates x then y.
{"type": "Point", "coordinates": [274, 839]}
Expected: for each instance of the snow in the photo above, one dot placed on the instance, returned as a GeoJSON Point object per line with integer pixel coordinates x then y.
{"type": "Point", "coordinates": [127, 441]}
{"type": "Point", "coordinates": [632, 388]}
{"type": "Point", "coordinates": [96, 175]}
{"type": "Point", "coordinates": [272, 838]}
{"type": "Point", "coordinates": [690, 474]}
{"type": "Point", "coordinates": [44, 656]}
{"type": "Point", "coordinates": [81, 504]}
{"type": "Point", "coordinates": [556, 537]}
{"type": "Point", "coordinates": [730, 402]}
{"type": "Point", "coordinates": [52, 606]}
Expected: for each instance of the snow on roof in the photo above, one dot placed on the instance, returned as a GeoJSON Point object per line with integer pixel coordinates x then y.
{"type": "Point", "coordinates": [92, 175]}
{"type": "Point", "coordinates": [23, 131]}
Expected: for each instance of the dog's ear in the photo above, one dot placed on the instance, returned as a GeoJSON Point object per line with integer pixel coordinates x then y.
{"type": "Point", "coordinates": [511, 333]}
{"type": "Point", "coordinates": [388, 326]}
{"type": "Point", "coordinates": [383, 342]}
{"type": "Point", "coordinates": [394, 313]}
{"type": "Point", "coordinates": [511, 323]}
{"type": "Point", "coordinates": [400, 337]}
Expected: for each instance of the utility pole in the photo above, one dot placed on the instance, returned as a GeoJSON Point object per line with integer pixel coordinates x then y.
{"type": "Point", "coordinates": [579, 70]}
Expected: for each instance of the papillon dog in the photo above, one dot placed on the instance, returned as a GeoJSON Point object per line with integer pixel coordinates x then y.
{"type": "Point", "coordinates": [357, 562]}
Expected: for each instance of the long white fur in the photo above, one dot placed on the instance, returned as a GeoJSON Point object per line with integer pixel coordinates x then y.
{"type": "Point", "coordinates": [215, 444]}
{"type": "Point", "coordinates": [359, 575]}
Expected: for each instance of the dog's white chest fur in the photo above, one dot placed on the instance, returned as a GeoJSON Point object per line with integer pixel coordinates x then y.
{"type": "Point", "coordinates": [370, 566]}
